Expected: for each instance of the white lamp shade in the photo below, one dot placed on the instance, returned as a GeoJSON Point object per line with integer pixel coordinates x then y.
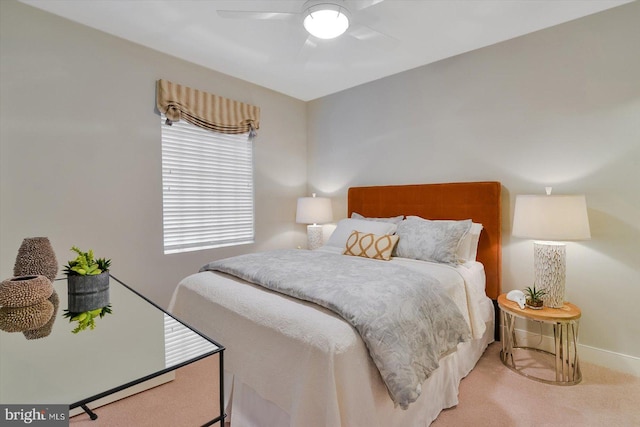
{"type": "Point", "coordinates": [554, 218]}
{"type": "Point", "coordinates": [325, 20]}
{"type": "Point", "coordinates": [314, 210]}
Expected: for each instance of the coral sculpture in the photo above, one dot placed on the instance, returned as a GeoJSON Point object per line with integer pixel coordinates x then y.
{"type": "Point", "coordinates": [45, 330]}
{"type": "Point", "coordinates": [36, 257]}
{"type": "Point", "coordinates": [24, 291]}
{"type": "Point", "coordinates": [20, 319]}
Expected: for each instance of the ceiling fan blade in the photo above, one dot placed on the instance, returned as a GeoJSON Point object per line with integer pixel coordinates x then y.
{"type": "Point", "coordinates": [366, 33]}
{"type": "Point", "coordinates": [363, 4]}
{"type": "Point", "coordinates": [297, 46]}
{"type": "Point", "coordinates": [246, 14]}
{"type": "Point", "coordinates": [304, 53]}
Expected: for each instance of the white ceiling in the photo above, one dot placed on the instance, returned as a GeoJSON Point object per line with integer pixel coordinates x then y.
{"type": "Point", "coordinates": [278, 54]}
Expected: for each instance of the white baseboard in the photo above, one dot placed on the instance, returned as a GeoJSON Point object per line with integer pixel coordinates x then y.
{"type": "Point", "coordinates": [154, 382]}
{"type": "Point", "coordinates": [609, 359]}
{"type": "Point", "coordinates": [616, 361]}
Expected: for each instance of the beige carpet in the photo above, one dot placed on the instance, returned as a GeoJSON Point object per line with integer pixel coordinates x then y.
{"type": "Point", "coordinates": [492, 395]}
{"type": "Point", "coordinates": [189, 400]}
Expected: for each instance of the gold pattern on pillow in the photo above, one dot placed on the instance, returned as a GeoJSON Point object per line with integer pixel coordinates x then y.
{"type": "Point", "coordinates": [370, 245]}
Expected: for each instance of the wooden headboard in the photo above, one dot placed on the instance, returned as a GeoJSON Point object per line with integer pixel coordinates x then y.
{"type": "Point", "coordinates": [480, 201]}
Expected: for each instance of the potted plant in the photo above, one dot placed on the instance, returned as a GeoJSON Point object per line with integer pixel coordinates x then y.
{"type": "Point", "coordinates": [86, 319]}
{"type": "Point", "coordinates": [87, 288]}
{"type": "Point", "coordinates": [86, 265]}
{"type": "Point", "coordinates": [534, 297]}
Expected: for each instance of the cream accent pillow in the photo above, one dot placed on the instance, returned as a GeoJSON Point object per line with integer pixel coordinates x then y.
{"type": "Point", "coordinates": [345, 226]}
{"type": "Point", "coordinates": [394, 219]}
{"type": "Point", "coordinates": [468, 249]}
{"type": "Point", "coordinates": [370, 245]}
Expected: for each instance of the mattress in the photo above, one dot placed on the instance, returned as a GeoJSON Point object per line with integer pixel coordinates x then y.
{"type": "Point", "coordinates": [293, 363]}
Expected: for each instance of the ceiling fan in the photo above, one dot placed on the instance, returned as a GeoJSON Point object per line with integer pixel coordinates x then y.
{"type": "Point", "coordinates": [323, 19]}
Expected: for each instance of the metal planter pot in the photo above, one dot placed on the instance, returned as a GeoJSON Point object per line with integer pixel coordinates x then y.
{"type": "Point", "coordinates": [86, 293]}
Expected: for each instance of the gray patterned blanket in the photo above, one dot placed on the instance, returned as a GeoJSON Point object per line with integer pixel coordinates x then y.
{"type": "Point", "coordinates": [406, 321]}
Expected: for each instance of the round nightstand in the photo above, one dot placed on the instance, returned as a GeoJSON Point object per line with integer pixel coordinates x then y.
{"type": "Point", "coordinates": [565, 321]}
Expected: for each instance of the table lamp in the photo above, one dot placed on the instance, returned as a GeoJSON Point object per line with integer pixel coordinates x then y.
{"type": "Point", "coordinates": [551, 220]}
{"type": "Point", "coordinates": [314, 211]}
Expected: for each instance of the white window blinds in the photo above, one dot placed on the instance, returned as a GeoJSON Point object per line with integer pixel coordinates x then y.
{"type": "Point", "coordinates": [207, 180]}
{"type": "Point", "coordinates": [181, 343]}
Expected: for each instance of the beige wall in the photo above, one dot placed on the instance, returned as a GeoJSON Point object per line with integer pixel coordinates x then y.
{"type": "Point", "coordinates": [80, 149]}
{"type": "Point", "coordinates": [559, 107]}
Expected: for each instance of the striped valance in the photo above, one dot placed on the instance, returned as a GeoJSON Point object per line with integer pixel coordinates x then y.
{"type": "Point", "coordinates": [206, 110]}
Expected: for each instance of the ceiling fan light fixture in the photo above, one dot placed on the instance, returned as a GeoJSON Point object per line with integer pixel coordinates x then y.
{"type": "Point", "coordinates": [325, 20]}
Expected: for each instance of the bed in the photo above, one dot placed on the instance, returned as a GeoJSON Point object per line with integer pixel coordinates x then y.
{"type": "Point", "coordinates": [292, 362]}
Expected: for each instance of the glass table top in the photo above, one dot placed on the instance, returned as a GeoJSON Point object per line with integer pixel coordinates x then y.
{"type": "Point", "coordinates": [137, 341]}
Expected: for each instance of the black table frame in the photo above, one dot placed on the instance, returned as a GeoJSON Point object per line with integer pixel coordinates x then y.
{"type": "Point", "coordinates": [219, 350]}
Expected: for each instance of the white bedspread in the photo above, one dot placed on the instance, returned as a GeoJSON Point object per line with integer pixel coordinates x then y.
{"type": "Point", "coordinates": [404, 316]}
{"type": "Point", "coordinates": [309, 362]}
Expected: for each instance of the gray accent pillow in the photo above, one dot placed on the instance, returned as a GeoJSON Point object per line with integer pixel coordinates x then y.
{"type": "Point", "coordinates": [428, 240]}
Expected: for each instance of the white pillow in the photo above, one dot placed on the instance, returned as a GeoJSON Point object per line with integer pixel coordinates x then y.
{"type": "Point", "coordinates": [426, 240]}
{"type": "Point", "coordinates": [468, 249]}
{"type": "Point", "coordinates": [346, 226]}
{"type": "Point", "coordinates": [394, 219]}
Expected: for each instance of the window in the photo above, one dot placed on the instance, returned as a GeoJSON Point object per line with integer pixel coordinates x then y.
{"type": "Point", "coordinates": [207, 188]}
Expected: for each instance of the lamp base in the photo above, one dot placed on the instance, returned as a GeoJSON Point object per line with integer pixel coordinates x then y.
{"type": "Point", "coordinates": [314, 236]}
{"type": "Point", "coordinates": [549, 262]}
